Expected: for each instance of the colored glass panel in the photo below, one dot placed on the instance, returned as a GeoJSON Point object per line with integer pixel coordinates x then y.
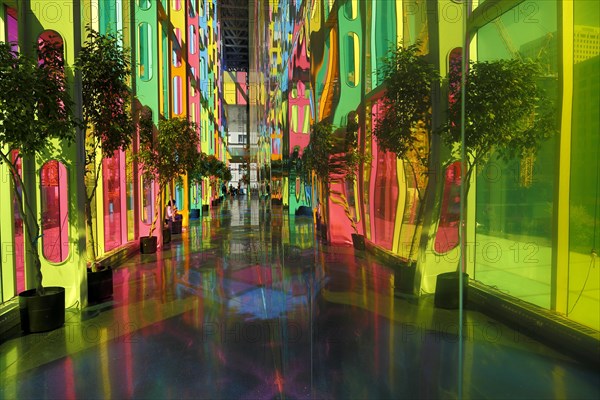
{"type": "Point", "coordinates": [18, 232]}
{"type": "Point", "coordinates": [145, 51]}
{"type": "Point", "coordinates": [177, 95]}
{"type": "Point", "coordinates": [514, 198]}
{"type": "Point", "coordinates": [147, 201]}
{"type": "Point", "coordinates": [176, 49]}
{"type": "Point", "coordinates": [111, 181]}
{"type": "Point", "coordinates": [144, 4]}
{"type": "Point", "coordinates": [55, 215]}
{"type": "Point", "coordinates": [192, 39]}
{"type": "Point", "coordinates": [352, 59]}
{"type": "Point", "coordinates": [12, 28]}
{"type": "Point", "coordinates": [584, 208]}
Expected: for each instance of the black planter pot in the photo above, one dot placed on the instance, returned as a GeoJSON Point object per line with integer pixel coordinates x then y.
{"type": "Point", "coordinates": [304, 211]}
{"type": "Point", "coordinates": [194, 213]}
{"type": "Point", "coordinates": [358, 241]}
{"type": "Point", "coordinates": [176, 227]}
{"type": "Point", "coordinates": [447, 290]}
{"type": "Point", "coordinates": [148, 244]}
{"type": "Point", "coordinates": [166, 235]}
{"type": "Point", "coordinates": [204, 208]}
{"type": "Point", "coordinates": [100, 285]}
{"type": "Point", "coordinates": [42, 313]}
{"type": "Point", "coordinates": [405, 278]}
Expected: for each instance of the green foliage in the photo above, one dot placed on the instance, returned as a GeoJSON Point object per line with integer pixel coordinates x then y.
{"type": "Point", "coordinates": [208, 166]}
{"type": "Point", "coordinates": [332, 154]}
{"type": "Point", "coordinates": [173, 152]}
{"type": "Point", "coordinates": [407, 101]}
{"type": "Point", "coordinates": [105, 69]}
{"type": "Point", "coordinates": [506, 110]}
{"type": "Point", "coordinates": [35, 105]}
{"type": "Point", "coordinates": [106, 100]}
{"type": "Point", "coordinates": [35, 108]}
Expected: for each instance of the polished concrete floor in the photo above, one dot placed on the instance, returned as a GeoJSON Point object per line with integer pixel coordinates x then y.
{"type": "Point", "coordinates": [245, 305]}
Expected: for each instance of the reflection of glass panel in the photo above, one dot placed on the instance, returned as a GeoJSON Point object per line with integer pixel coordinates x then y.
{"type": "Point", "coordinates": [352, 59]}
{"type": "Point", "coordinates": [351, 9]}
{"type": "Point", "coordinates": [145, 51]}
{"type": "Point", "coordinates": [584, 209]}
{"type": "Point", "coordinates": [177, 95]}
{"type": "Point", "coordinates": [111, 181]}
{"type": "Point", "coordinates": [446, 237]}
{"type": "Point", "coordinates": [146, 199]}
{"type": "Point", "coordinates": [165, 71]}
{"type": "Point", "coordinates": [129, 195]}
{"type": "Point", "coordinates": [192, 39]}
{"type": "Point", "coordinates": [55, 224]}
{"type": "Point", "coordinates": [176, 50]}
{"type": "Point", "coordinates": [144, 4]}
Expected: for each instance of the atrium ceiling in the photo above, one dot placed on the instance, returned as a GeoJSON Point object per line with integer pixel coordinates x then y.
{"type": "Point", "coordinates": [235, 34]}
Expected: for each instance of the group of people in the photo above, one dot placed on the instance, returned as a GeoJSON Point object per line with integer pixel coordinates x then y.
{"type": "Point", "coordinates": [172, 213]}
{"type": "Point", "coordinates": [231, 191]}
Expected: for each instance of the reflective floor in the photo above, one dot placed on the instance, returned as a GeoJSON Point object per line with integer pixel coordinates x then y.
{"type": "Point", "coordinates": [245, 305]}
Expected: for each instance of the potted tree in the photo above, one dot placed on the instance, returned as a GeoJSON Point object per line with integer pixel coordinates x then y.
{"type": "Point", "coordinates": [506, 112]}
{"type": "Point", "coordinates": [36, 110]}
{"type": "Point", "coordinates": [404, 128]}
{"type": "Point", "coordinates": [218, 171]}
{"type": "Point", "coordinates": [196, 177]}
{"type": "Point", "coordinates": [332, 155]}
{"type": "Point", "coordinates": [164, 157]}
{"type": "Point", "coordinates": [104, 68]}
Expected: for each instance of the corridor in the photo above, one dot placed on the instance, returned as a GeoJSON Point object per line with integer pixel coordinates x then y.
{"type": "Point", "coordinates": [246, 305]}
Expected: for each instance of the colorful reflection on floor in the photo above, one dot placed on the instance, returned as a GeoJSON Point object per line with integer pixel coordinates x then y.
{"type": "Point", "coordinates": [244, 305]}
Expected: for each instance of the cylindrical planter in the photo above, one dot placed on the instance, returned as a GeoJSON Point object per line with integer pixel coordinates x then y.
{"type": "Point", "coordinates": [194, 213]}
{"type": "Point", "coordinates": [100, 285]}
{"type": "Point", "coordinates": [148, 244]}
{"type": "Point", "coordinates": [166, 235]}
{"type": "Point", "coordinates": [176, 227]}
{"type": "Point", "coordinates": [447, 290]}
{"type": "Point", "coordinates": [42, 313]}
{"type": "Point", "coordinates": [405, 278]}
{"type": "Point", "coordinates": [358, 241]}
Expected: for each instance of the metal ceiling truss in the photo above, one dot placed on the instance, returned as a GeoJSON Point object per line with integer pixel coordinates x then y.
{"type": "Point", "coordinates": [234, 18]}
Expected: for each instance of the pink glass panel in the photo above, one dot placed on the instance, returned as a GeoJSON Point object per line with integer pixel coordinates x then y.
{"type": "Point", "coordinates": [385, 199]}
{"type": "Point", "coordinates": [18, 229]}
{"type": "Point", "coordinates": [55, 216]}
{"type": "Point", "coordinates": [446, 237]}
{"type": "Point", "coordinates": [12, 28]}
{"type": "Point", "coordinates": [112, 201]}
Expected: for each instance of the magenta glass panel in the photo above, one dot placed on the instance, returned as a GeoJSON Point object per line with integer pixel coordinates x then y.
{"type": "Point", "coordinates": [384, 191]}
{"type": "Point", "coordinates": [446, 237]}
{"type": "Point", "coordinates": [55, 215]}
{"type": "Point", "coordinates": [18, 229]}
{"type": "Point", "coordinates": [111, 182]}
{"type": "Point", "coordinates": [385, 198]}
{"type": "Point", "coordinates": [12, 28]}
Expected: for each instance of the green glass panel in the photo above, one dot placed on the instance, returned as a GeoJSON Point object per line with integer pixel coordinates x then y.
{"type": "Point", "coordinates": [514, 198]}
{"type": "Point", "coordinates": [584, 210]}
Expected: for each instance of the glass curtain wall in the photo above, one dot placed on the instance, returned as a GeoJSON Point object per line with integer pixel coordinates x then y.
{"type": "Point", "coordinates": [522, 203]}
